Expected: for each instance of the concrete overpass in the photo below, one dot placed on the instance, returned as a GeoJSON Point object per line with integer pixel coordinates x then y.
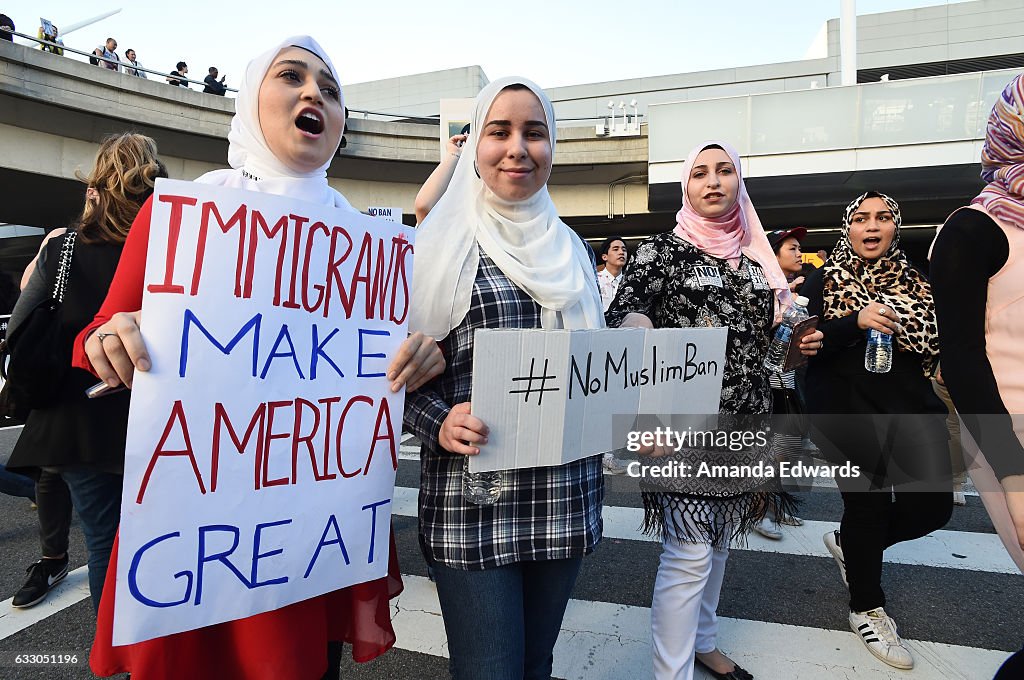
{"type": "Point", "coordinates": [54, 111]}
{"type": "Point", "coordinates": [806, 152]}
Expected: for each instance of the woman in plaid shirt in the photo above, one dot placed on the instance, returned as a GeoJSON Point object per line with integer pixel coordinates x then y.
{"type": "Point", "coordinates": [493, 253]}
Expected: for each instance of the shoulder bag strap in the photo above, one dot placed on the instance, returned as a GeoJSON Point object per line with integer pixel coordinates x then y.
{"type": "Point", "coordinates": [63, 269]}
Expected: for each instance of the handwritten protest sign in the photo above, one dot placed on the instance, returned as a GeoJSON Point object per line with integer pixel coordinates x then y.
{"type": "Point", "coordinates": [262, 446]}
{"type": "Point", "coordinates": [549, 397]}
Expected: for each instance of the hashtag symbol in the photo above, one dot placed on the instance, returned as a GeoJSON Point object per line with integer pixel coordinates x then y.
{"type": "Point", "coordinates": [530, 389]}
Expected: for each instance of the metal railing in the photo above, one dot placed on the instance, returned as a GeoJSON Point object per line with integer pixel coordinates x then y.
{"type": "Point", "coordinates": [120, 64]}
{"type": "Point", "coordinates": [352, 113]}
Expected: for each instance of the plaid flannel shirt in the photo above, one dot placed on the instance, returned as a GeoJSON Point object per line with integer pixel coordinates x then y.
{"type": "Point", "coordinates": [543, 513]}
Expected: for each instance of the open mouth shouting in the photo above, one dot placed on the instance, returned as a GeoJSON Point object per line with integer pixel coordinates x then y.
{"type": "Point", "coordinates": [310, 122]}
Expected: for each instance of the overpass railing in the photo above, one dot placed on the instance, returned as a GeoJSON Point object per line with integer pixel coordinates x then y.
{"type": "Point", "coordinates": [120, 64]}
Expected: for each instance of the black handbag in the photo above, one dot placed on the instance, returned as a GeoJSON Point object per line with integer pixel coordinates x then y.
{"type": "Point", "coordinates": [34, 358]}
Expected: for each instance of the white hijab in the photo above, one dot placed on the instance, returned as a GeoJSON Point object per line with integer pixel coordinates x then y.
{"type": "Point", "coordinates": [253, 165]}
{"type": "Point", "coordinates": [526, 239]}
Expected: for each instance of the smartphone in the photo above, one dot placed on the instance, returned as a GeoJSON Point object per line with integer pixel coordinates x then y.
{"type": "Point", "coordinates": [102, 389]}
{"type": "Point", "coordinates": [794, 359]}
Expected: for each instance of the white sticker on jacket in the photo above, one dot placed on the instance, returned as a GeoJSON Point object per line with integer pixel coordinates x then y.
{"type": "Point", "coordinates": [706, 275]}
{"type": "Point", "coordinates": [758, 278]}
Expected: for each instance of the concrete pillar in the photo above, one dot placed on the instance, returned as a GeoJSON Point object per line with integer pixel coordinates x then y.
{"type": "Point", "coordinates": [848, 42]}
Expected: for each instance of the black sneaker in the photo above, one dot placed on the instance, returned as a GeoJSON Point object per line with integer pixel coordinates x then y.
{"type": "Point", "coordinates": [42, 576]}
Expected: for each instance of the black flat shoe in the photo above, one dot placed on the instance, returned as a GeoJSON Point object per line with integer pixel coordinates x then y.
{"type": "Point", "coordinates": [736, 673]}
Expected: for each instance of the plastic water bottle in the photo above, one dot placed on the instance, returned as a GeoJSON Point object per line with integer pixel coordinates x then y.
{"type": "Point", "coordinates": [784, 335]}
{"type": "Point", "coordinates": [481, 488]}
{"type": "Point", "coordinates": [878, 356]}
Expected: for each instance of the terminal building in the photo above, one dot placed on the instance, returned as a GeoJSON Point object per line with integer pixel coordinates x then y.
{"type": "Point", "coordinates": [911, 126]}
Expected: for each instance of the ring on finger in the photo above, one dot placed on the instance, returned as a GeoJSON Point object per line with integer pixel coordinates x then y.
{"type": "Point", "coordinates": [102, 336]}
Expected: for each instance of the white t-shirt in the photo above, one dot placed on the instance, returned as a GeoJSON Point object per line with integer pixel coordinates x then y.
{"type": "Point", "coordinates": [609, 285]}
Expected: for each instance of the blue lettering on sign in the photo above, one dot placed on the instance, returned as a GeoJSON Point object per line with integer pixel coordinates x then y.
{"type": "Point", "coordinates": [221, 557]}
{"type": "Point", "coordinates": [332, 523]}
{"type": "Point", "coordinates": [283, 334]}
{"type": "Point", "coordinates": [257, 555]}
{"type": "Point", "coordinates": [362, 354]}
{"type": "Point", "coordinates": [373, 525]}
{"type": "Point", "coordinates": [318, 353]}
{"type": "Point", "coordinates": [252, 324]}
{"type": "Point", "coordinates": [133, 575]}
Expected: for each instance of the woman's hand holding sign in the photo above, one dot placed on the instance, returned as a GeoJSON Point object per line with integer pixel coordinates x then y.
{"type": "Point", "coordinates": [461, 430]}
{"type": "Point", "coordinates": [419, 360]}
{"type": "Point", "coordinates": [116, 349]}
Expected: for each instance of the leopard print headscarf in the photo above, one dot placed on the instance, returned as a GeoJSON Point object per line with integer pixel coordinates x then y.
{"type": "Point", "coordinates": [851, 283]}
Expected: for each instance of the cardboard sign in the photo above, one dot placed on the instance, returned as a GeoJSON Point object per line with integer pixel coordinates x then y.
{"type": "Point", "coordinates": [550, 397]}
{"type": "Point", "coordinates": [262, 446]}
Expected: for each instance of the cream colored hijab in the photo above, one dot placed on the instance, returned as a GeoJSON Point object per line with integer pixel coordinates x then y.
{"type": "Point", "coordinates": [253, 165]}
{"type": "Point", "coordinates": [525, 239]}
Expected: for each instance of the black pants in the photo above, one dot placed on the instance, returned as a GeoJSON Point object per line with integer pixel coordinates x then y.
{"type": "Point", "coordinates": [1013, 669]}
{"type": "Point", "coordinates": [54, 510]}
{"type": "Point", "coordinates": [905, 493]}
{"type": "Point", "coordinates": [875, 520]}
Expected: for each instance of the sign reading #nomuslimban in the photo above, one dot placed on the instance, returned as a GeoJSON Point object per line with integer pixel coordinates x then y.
{"type": "Point", "coordinates": [549, 397]}
{"type": "Point", "coordinates": [262, 446]}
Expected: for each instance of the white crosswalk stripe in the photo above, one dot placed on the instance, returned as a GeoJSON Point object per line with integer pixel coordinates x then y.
{"type": "Point", "coordinates": [606, 640]}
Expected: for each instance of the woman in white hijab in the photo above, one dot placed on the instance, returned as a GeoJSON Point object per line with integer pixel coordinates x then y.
{"type": "Point", "coordinates": [492, 253]}
{"type": "Point", "coordinates": [289, 118]}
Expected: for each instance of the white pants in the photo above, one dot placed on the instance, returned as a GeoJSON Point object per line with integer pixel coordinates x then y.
{"type": "Point", "coordinates": [683, 614]}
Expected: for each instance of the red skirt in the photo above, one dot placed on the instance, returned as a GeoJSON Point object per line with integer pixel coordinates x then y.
{"type": "Point", "coordinates": [285, 643]}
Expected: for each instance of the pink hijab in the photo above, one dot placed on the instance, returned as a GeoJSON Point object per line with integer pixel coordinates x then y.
{"type": "Point", "coordinates": [738, 232]}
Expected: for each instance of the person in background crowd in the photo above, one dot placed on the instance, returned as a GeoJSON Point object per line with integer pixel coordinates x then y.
{"type": "Point", "coordinates": [19, 485]}
{"type": "Point", "coordinates": [133, 70]}
{"type": "Point", "coordinates": [890, 425]}
{"type": "Point", "coordinates": [214, 86]}
{"type": "Point", "coordinates": [75, 446]}
{"type": "Point", "coordinates": [300, 640]}
{"type": "Point", "coordinates": [56, 48]}
{"type": "Point", "coordinates": [180, 69]}
{"type": "Point", "coordinates": [611, 259]}
{"type": "Point", "coordinates": [6, 28]}
{"type": "Point", "coordinates": [106, 50]}
{"type": "Point", "coordinates": [437, 182]}
{"type": "Point", "coordinates": [613, 256]}
{"type": "Point", "coordinates": [493, 253]}
{"type": "Point", "coordinates": [716, 268]}
{"type": "Point", "coordinates": [786, 244]}
{"type": "Point", "coordinates": [12, 483]}
{"type": "Point", "coordinates": [788, 431]}
{"type": "Point", "coordinates": [977, 267]}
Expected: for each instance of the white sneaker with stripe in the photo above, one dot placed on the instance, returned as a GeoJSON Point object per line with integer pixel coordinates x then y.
{"type": "Point", "coordinates": [878, 633]}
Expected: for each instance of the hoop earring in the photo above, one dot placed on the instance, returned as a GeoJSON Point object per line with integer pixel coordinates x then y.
{"type": "Point", "coordinates": [476, 169]}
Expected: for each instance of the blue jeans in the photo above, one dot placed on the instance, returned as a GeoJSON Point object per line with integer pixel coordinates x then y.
{"type": "Point", "coordinates": [502, 623]}
{"type": "Point", "coordinates": [96, 496]}
{"type": "Point", "coordinates": [14, 484]}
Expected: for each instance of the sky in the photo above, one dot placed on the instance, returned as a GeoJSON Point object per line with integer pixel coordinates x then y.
{"type": "Point", "coordinates": [554, 42]}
